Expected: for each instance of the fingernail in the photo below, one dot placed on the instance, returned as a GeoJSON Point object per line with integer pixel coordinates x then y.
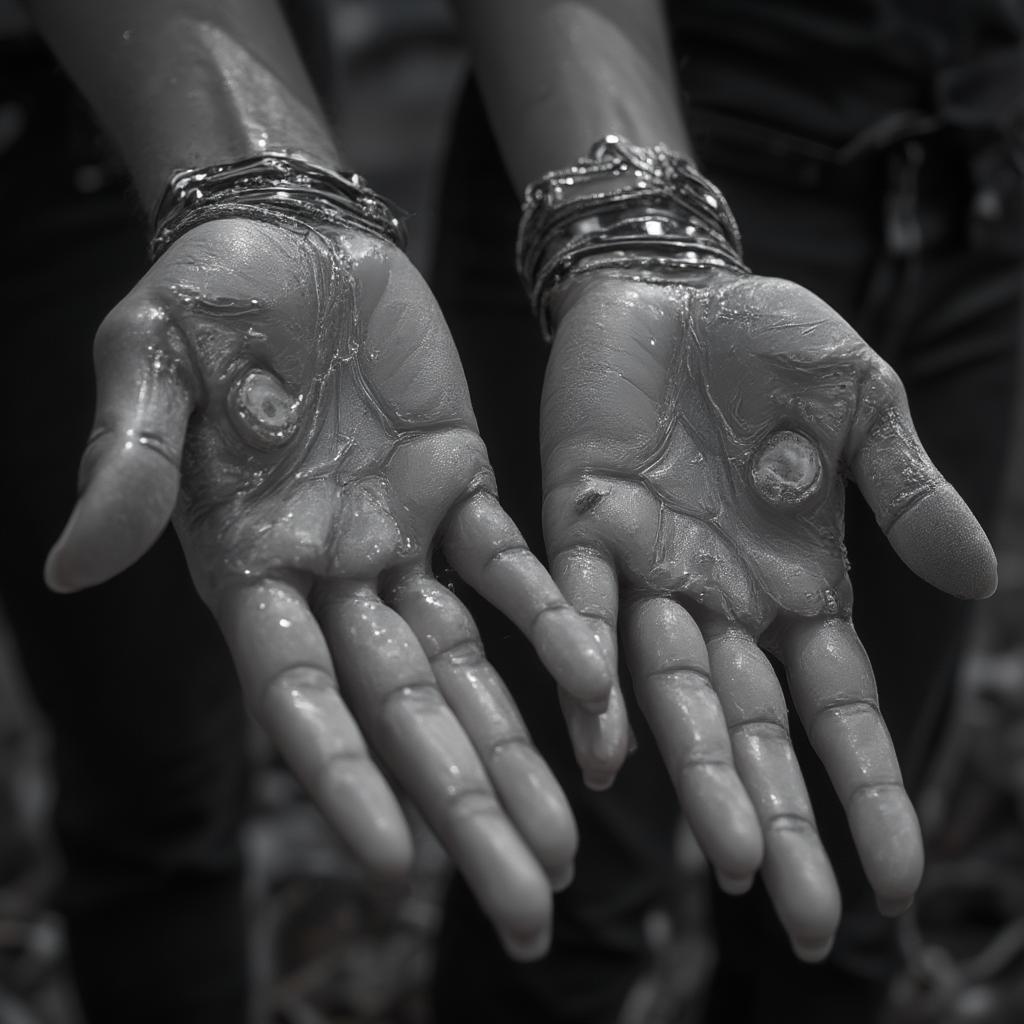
{"type": "Point", "coordinates": [561, 880]}
{"type": "Point", "coordinates": [632, 746]}
{"type": "Point", "coordinates": [527, 949]}
{"type": "Point", "coordinates": [51, 572]}
{"type": "Point", "coordinates": [597, 782]}
{"type": "Point", "coordinates": [734, 885]}
{"type": "Point", "coordinates": [812, 952]}
{"type": "Point", "coordinates": [893, 908]}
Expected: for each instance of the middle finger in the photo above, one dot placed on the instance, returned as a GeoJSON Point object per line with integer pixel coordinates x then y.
{"type": "Point", "coordinates": [476, 693]}
{"type": "Point", "coordinates": [797, 872]}
{"type": "Point", "coordinates": [669, 664]}
{"type": "Point", "coordinates": [387, 677]}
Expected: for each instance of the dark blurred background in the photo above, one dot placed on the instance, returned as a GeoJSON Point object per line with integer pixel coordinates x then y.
{"type": "Point", "coordinates": [326, 947]}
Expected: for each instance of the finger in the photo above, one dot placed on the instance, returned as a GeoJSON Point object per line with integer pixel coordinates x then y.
{"type": "Point", "coordinates": [130, 470]}
{"type": "Point", "coordinates": [833, 689]}
{"type": "Point", "coordinates": [796, 870]}
{"type": "Point", "coordinates": [928, 524]}
{"type": "Point", "coordinates": [487, 550]}
{"type": "Point", "coordinates": [600, 741]}
{"type": "Point", "coordinates": [389, 680]}
{"type": "Point", "coordinates": [286, 673]}
{"type": "Point", "coordinates": [669, 664]}
{"type": "Point", "coordinates": [478, 697]}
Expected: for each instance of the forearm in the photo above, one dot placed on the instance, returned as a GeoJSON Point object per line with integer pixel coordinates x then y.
{"type": "Point", "coordinates": [557, 75]}
{"type": "Point", "coordinates": [187, 83]}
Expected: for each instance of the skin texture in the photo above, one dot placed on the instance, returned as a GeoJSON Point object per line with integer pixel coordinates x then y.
{"type": "Point", "coordinates": [187, 83]}
{"type": "Point", "coordinates": [293, 395]}
{"type": "Point", "coordinates": [299, 391]}
{"type": "Point", "coordinates": [696, 439]}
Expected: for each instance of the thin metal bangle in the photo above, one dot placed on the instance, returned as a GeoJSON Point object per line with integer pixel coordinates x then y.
{"type": "Point", "coordinates": [624, 207]}
{"type": "Point", "coordinates": [279, 186]}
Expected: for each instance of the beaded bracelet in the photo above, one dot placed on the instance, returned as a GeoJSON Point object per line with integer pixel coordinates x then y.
{"type": "Point", "coordinates": [280, 187]}
{"type": "Point", "coordinates": [643, 210]}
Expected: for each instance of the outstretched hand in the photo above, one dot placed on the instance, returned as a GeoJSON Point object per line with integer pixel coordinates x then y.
{"type": "Point", "coordinates": [293, 395]}
{"type": "Point", "coordinates": [696, 440]}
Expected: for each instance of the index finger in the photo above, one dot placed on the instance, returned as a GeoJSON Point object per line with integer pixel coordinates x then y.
{"type": "Point", "coordinates": [671, 673]}
{"type": "Point", "coordinates": [589, 581]}
{"type": "Point", "coordinates": [486, 549]}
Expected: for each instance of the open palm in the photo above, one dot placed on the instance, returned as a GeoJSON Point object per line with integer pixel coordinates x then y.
{"type": "Point", "coordinates": [696, 440]}
{"type": "Point", "coordinates": [293, 395]}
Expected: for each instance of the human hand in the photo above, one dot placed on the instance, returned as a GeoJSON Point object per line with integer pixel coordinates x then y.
{"type": "Point", "coordinates": [294, 396]}
{"type": "Point", "coordinates": [695, 444]}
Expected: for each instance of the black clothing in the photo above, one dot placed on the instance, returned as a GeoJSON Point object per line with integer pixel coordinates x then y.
{"type": "Point", "coordinates": [137, 687]}
{"type": "Point", "coordinates": [829, 71]}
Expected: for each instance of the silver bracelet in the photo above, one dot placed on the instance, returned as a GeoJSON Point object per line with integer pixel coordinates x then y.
{"type": "Point", "coordinates": [280, 187]}
{"type": "Point", "coordinates": [643, 210]}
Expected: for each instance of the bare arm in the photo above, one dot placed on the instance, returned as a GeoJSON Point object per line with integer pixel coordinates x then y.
{"type": "Point", "coordinates": [558, 74]}
{"type": "Point", "coordinates": [189, 83]}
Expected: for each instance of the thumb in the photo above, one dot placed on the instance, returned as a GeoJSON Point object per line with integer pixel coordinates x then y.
{"type": "Point", "coordinates": [129, 476]}
{"type": "Point", "coordinates": [928, 524]}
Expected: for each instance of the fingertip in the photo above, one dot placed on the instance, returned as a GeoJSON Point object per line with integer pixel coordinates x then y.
{"type": "Point", "coordinates": [894, 907]}
{"type": "Point", "coordinates": [940, 539]}
{"type": "Point", "coordinates": [888, 838]}
{"type": "Point", "coordinates": [536, 803]}
{"type": "Point", "coordinates": [391, 852]}
{"type": "Point", "coordinates": [812, 951]}
{"type": "Point", "coordinates": [573, 656]}
{"type": "Point", "coordinates": [527, 948]}
{"type": "Point", "coordinates": [393, 862]}
{"type": "Point", "coordinates": [600, 742]}
{"type": "Point", "coordinates": [509, 883]}
{"type": "Point", "coordinates": [72, 563]}
{"type": "Point", "coordinates": [724, 821]}
{"type": "Point", "coordinates": [369, 821]}
{"type": "Point", "coordinates": [597, 781]}
{"type": "Point", "coordinates": [561, 880]}
{"type": "Point", "coordinates": [126, 503]}
{"type": "Point", "coordinates": [733, 885]}
{"type": "Point", "coordinates": [53, 570]}
{"type": "Point", "coordinates": [803, 889]}
{"type": "Point", "coordinates": [385, 852]}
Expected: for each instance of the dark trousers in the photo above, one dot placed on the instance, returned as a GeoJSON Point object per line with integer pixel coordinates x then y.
{"type": "Point", "coordinates": [146, 716]}
{"type": "Point", "coordinates": [942, 303]}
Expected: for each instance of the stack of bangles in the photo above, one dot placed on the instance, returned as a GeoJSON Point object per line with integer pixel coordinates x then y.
{"type": "Point", "coordinates": [641, 210]}
{"type": "Point", "coordinates": [279, 187]}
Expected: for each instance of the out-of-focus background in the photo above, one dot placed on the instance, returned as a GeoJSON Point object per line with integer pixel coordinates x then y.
{"type": "Point", "coordinates": [329, 949]}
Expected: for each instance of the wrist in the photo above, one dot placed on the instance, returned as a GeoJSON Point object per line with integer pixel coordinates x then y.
{"type": "Point", "coordinates": [283, 188]}
{"type": "Point", "coordinates": [640, 213]}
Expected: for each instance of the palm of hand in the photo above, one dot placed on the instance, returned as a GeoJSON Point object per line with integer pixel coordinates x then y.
{"type": "Point", "coordinates": [739, 482]}
{"type": "Point", "coordinates": [696, 443]}
{"type": "Point", "coordinates": [294, 396]}
{"type": "Point", "coordinates": [337, 460]}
